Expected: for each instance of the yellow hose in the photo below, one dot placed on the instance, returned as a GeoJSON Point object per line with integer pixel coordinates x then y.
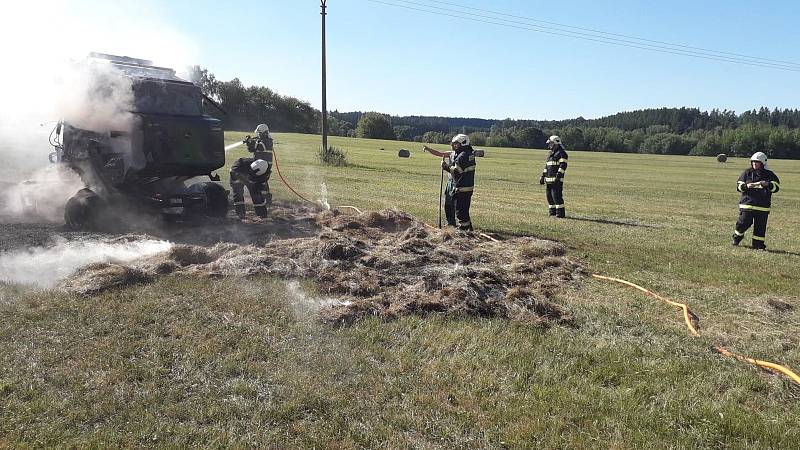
{"type": "Point", "coordinates": [688, 315]}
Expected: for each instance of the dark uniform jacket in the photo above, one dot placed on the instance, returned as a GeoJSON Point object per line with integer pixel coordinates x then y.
{"type": "Point", "coordinates": [241, 169]}
{"type": "Point", "coordinates": [261, 147]}
{"type": "Point", "coordinates": [757, 199]}
{"type": "Point", "coordinates": [463, 170]}
{"type": "Point", "coordinates": [556, 166]}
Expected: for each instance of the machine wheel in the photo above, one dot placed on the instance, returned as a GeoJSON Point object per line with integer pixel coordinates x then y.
{"type": "Point", "coordinates": [216, 199]}
{"type": "Point", "coordinates": [83, 210]}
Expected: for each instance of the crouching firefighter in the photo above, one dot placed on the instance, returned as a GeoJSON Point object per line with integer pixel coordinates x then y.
{"type": "Point", "coordinates": [553, 175]}
{"type": "Point", "coordinates": [757, 184]}
{"type": "Point", "coordinates": [461, 167]}
{"type": "Point", "coordinates": [252, 174]}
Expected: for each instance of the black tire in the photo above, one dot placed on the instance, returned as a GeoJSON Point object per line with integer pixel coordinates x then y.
{"type": "Point", "coordinates": [216, 199]}
{"type": "Point", "coordinates": [83, 210]}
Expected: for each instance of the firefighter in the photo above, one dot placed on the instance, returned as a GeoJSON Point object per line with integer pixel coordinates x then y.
{"type": "Point", "coordinates": [757, 184]}
{"type": "Point", "coordinates": [253, 174]}
{"type": "Point", "coordinates": [449, 209]}
{"type": "Point", "coordinates": [261, 147]}
{"type": "Point", "coordinates": [553, 176]}
{"type": "Point", "coordinates": [462, 172]}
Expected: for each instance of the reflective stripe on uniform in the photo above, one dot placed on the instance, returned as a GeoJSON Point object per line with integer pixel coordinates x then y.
{"type": "Point", "coordinates": [464, 224]}
{"type": "Point", "coordinates": [550, 179]}
{"type": "Point", "coordinates": [754, 208]}
{"type": "Point", "coordinates": [236, 182]}
{"type": "Point", "coordinates": [465, 189]}
{"type": "Point", "coordinates": [562, 160]}
{"type": "Point", "coordinates": [469, 169]}
{"type": "Point", "coordinates": [736, 232]}
{"type": "Point", "coordinates": [562, 171]}
{"type": "Point", "coordinates": [238, 203]}
{"type": "Point", "coordinates": [260, 204]}
{"type": "Point", "coordinates": [552, 206]}
{"type": "Point", "coordinates": [740, 186]}
{"type": "Point", "coordinates": [775, 186]}
{"type": "Point", "coordinates": [758, 238]}
{"type": "Point", "coordinates": [559, 207]}
{"type": "Point", "coordinates": [552, 163]}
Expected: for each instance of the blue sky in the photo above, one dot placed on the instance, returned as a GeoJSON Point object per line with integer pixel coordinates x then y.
{"type": "Point", "coordinates": [403, 62]}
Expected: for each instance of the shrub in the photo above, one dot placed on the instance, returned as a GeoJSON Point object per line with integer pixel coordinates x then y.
{"type": "Point", "coordinates": [332, 156]}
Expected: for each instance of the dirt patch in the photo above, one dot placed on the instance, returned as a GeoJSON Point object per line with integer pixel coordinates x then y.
{"type": "Point", "coordinates": [385, 264]}
{"type": "Point", "coordinates": [780, 305]}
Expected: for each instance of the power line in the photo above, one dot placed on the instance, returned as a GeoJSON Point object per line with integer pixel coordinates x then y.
{"type": "Point", "coordinates": [431, 9]}
{"type": "Point", "coordinates": [589, 37]}
{"type": "Point", "coordinates": [779, 61]}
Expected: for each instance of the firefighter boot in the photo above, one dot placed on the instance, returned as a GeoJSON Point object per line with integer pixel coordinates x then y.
{"type": "Point", "coordinates": [736, 239]}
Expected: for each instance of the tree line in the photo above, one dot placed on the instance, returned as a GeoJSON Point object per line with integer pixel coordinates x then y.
{"type": "Point", "coordinates": [669, 131]}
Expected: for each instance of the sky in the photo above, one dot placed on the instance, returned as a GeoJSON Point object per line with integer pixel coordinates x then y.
{"type": "Point", "coordinates": [405, 62]}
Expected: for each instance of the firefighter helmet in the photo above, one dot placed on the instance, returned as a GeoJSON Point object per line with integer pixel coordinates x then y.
{"type": "Point", "coordinates": [462, 139]}
{"type": "Point", "coordinates": [760, 157]}
{"type": "Point", "coordinates": [259, 167]}
{"type": "Point", "coordinates": [554, 140]}
{"type": "Point", "coordinates": [262, 128]}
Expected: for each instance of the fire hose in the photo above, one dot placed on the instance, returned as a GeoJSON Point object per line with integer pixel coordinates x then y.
{"type": "Point", "coordinates": [691, 323]}
{"type": "Point", "coordinates": [285, 183]}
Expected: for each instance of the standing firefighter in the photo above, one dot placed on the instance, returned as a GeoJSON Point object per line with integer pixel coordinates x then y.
{"type": "Point", "coordinates": [449, 209]}
{"type": "Point", "coordinates": [261, 145]}
{"type": "Point", "coordinates": [253, 174]}
{"type": "Point", "coordinates": [553, 175]}
{"type": "Point", "coordinates": [462, 172]}
{"type": "Point", "coordinates": [460, 167]}
{"type": "Point", "coordinates": [757, 184]}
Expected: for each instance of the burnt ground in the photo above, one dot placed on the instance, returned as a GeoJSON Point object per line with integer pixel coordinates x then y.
{"type": "Point", "coordinates": [285, 221]}
{"type": "Point", "coordinates": [383, 264]}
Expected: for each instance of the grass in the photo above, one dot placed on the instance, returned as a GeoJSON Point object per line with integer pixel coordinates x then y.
{"type": "Point", "coordinates": [188, 362]}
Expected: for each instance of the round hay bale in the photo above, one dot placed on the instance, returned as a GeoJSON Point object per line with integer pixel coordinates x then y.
{"type": "Point", "coordinates": [722, 157]}
{"type": "Point", "coordinates": [479, 153]}
{"type": "Point", "coordinates": [404, 153]}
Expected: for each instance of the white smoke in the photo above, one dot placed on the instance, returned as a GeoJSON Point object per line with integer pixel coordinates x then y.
{"type": "Point", "coordinates": [40, 83]}
{"type": "Point", "coordinates": [303, 305]}
{"type": "Point", "coordinates": [96, 97]}
{"type": "Point", "coordinates": [40, 198]}
{"type": "Point", "coordinates": [323, 197]}
{"type": "Point", "coordinates": [45, 267]}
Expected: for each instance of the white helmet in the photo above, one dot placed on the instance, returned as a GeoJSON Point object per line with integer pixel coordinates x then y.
{"type": "Point", "coordinates": [462, 139]}
{"type": "Point", "coordinates": [760, 157]}
{"type": "Point", "coordinates": [554, 140]}
{"type": "Point", "coordinates": [263, 128]}
{"type": "Point", "coordinates": [259, 166]}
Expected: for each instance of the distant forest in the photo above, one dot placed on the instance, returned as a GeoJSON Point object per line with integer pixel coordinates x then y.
{"type": "Point", "coordinates": [669, 131]}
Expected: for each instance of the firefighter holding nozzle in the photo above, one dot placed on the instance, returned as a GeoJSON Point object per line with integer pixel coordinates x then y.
{"type": "Point", "coordinates": [253, 173]}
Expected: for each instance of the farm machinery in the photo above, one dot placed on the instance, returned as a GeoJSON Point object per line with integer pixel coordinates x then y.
{"type": "Point", "coordinates": [144, 157]}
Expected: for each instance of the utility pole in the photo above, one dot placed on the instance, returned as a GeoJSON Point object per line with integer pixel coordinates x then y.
{"type": "Point", "coordinates": [323, 5]}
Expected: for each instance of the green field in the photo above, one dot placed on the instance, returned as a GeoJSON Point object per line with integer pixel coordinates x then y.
{"type": "Point", "coordinates": [235, 365]}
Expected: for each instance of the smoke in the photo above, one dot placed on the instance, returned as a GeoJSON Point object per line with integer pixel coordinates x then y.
{"type": "Point", "coordinates": [41, 83]}
{"type": "Point", "coordinates": [41, 198]}
{"type": "Point", "coordinates": [304, 306]}
{"type": "Point", "coordinates": [45, 267]}
{"type": "Point", "coordinates": [323, 196]}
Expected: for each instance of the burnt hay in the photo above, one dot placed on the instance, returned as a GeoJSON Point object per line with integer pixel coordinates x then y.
{"type": "Point", "coordinates": [384, 264]}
